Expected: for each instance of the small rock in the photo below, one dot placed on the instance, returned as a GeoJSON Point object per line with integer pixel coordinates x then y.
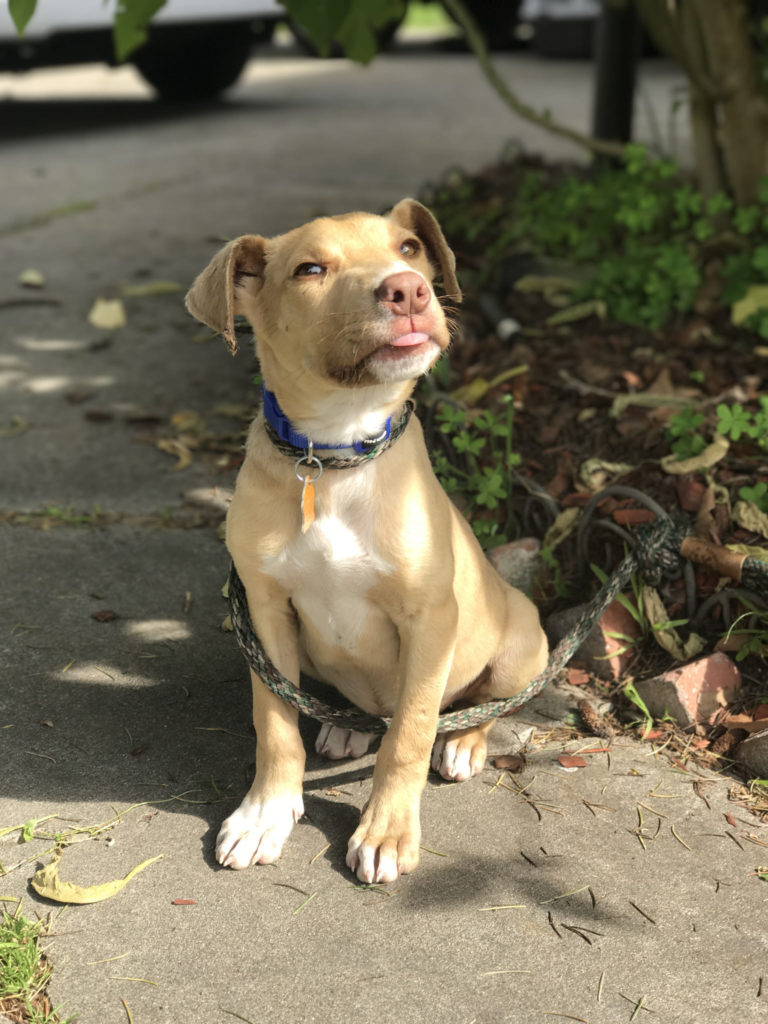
{"type": "Point", "coordinates": [692, 693]}
{"type": "Point", "coordinates": [603, 652]}
{"type": "Point", "coordinates": [753, 754]}
{"type": "Point", "coordinates": [517, 562]}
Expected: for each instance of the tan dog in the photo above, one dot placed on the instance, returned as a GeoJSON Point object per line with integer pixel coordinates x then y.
{"type": "Point", "coordinates": [385, 594]}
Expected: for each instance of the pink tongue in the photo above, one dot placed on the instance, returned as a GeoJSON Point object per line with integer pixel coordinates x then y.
{"type": "Point", "coordinates": [408, 340]}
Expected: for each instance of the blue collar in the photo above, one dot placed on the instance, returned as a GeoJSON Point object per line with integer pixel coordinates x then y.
{"type": "Point", "coordinates": [287, 433]}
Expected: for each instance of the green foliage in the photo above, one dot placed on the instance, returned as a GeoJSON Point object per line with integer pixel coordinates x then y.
{"type": "Point", "coordinates": [351, 24]}
{"type": "Point", "coordinates": [754, 630]}
{"type": "Point", "coordinates": [480, 479]}
{"type": "Point", "coordinates": [630, 692]}
{"type": "Point", "coordinates": [24, 970]}
{"type": "Point", "coordinates": [348, 22]}
{"type": "Point", "coordinates": [130, 27]}
{"type": "Point", "coordinates": [21, 11]}
{"type": "Point", "coordinates": [733, 421]}
{"type": "Point", "coordinates": [643, 236]}
{"type": "Point", "coordinates": [758, 495]}
{"type": "Point", "coordinates": [682, 432]}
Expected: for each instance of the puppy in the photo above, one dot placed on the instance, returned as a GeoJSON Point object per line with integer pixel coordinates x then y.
{"type": "Point", "coordinates": [374, 583]}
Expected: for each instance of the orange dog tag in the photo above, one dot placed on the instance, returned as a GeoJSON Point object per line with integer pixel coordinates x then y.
{"type": "Point", "coordinates": [307, 504]}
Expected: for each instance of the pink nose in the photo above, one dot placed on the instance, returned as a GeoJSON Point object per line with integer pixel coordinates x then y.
{"type": "Point", "coordinates": [405, 293]}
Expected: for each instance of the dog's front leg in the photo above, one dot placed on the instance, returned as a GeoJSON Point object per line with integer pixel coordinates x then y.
{"type": "Point", "coordinates": [386, 843]}
{"type": "Point", "coordinates": [256, 831]}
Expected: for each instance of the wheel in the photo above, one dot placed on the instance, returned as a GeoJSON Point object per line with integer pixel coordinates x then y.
{"type": "Point", "coordinates": [497, 20]}
{"type": "Point", "coordinates": [189, 63]}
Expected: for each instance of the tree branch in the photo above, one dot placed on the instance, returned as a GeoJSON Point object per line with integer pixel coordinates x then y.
{"type": "Point", "coordinates": [474, 37]}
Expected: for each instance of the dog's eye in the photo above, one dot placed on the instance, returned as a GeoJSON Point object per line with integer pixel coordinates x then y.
{"type": "Point", "coordinates": [410, 247]}
{"type": "Point", "coordinates": [309, 270]}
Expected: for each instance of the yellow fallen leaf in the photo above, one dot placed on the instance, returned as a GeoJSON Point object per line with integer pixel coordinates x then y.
{"type": "Point", "coordinates": [761, 554]}
{"type": "Point", "coordinates": [582, 310]}
{"type": "Point", "coordinates": [748, 515]}
{"type": "Point", "coordinates": [755, 299]}
{"type": "Point", "coordinates": [107, 314]}
{"type": "Point", "coordinates": [18, 426]}
{"type": "Point", "coordinates": [711, 455]}
{"type": "Point", "coordinates": [151, 288]}
{"type": "Point", "coordinates": [31, 278]}
{"type": "Point", "coordinates": [46, 882]}
{"type": "Point", "coordinates": [664, 633]}
{"type": "Point", "coordinates": [556, 290]}
{"type": "Point", "coordinates": [175, 447]}
{"type": "Point", "coordinates": [563, 527]}
{"type": "Point", "coordinates": [226, 624]}
{"type": "Point", "coordinates": [595, 473]}
{"type": "Point", "coordinates": [470, 394]}
{"type": "Point", "coordinates": [646, 400]}
{"type": "Point", "coordinates": [189, 420]}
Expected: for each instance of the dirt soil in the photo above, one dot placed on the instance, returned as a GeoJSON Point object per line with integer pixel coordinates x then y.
{"type": "Point", "coordinates": [566, 414]}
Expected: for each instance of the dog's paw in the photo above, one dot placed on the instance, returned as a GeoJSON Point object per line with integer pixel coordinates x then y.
{"type": "Point", "coordinates": [335, 743]}
{"type": "Point", "coordinates": [457, 756]}
{"type": "Point", "coordinates": [256, 832]}
{"type": "Point", "coordinates": [381, 851]}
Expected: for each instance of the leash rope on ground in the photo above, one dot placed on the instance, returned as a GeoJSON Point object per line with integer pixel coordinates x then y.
{"type": "Point", "coordinates": [657, 552]}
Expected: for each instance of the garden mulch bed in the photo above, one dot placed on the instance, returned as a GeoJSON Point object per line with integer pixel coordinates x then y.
{"type": "Point", "coordinates": [566, 411]}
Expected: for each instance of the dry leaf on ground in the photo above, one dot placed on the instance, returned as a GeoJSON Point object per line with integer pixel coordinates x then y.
{"type": "Point", "coordinates": [46, 882]}
{"type": "Point", "coordinates": [107, 314]}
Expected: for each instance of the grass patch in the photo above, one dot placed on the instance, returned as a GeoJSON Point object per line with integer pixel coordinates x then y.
{"type": "Point", "coordinates": [25, 971]}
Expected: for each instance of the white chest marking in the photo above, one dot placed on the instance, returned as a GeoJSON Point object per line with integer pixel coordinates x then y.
{"type": "Point", "coordinates": [329, 570]}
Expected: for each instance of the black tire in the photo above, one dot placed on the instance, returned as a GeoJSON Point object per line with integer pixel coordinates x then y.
{"type": "Point", "coordinates": [187, 64]}
{"type": "Point", "coordinates": [497, 20]}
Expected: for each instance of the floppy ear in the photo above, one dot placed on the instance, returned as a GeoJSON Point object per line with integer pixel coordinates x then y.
{"type": "Point", "coordinates": [213, 298]}
{"type": "Point", "coordinates": [411, 214]}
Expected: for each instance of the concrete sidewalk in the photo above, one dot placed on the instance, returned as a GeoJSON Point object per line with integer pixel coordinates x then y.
{"type": "Point", "coordinates": [619, 891]}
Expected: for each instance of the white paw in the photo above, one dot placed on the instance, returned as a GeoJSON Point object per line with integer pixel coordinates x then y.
{"type": "Point", "coordinates": [255, 832]}
{"type": "Point", "coordinates": [456, 759]}
{"type": "Point", "coordinates": [336, 743]}
{"type": "Point", "coordinates": [371, 863]}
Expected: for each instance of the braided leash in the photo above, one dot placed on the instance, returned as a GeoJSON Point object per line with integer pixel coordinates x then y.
{"type": "Point", "coordinates": [657, 552]}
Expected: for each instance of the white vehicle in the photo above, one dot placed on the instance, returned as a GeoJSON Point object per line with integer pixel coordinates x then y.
{"type": "Point", "coordinates": [195, 50]}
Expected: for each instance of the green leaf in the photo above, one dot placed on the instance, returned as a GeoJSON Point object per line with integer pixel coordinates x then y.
{"type": "Point", "coordinates": [21, 11]}
{"type": "Point", "coordinates": [631, 693]}
{"type": "Point", "coordinates": [320, 19]}
{"type": "Point", "coordinates": [758, 495]}
{"type": "Point", "coordinates": [735, 420]}
{"type": "Point", "coordinates": [132, 18]}
{"type": "Point", "coordinates": [349, 23]}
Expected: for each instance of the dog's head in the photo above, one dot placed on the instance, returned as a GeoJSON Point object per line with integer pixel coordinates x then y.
{"type": "Point", "coordinates": [348, 299]}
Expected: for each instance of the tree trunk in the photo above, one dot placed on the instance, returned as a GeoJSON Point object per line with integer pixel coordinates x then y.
{"type": "Point", "coordinates": [743, 125]}
{"type": "Point", "coordinates": [729, 113]}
